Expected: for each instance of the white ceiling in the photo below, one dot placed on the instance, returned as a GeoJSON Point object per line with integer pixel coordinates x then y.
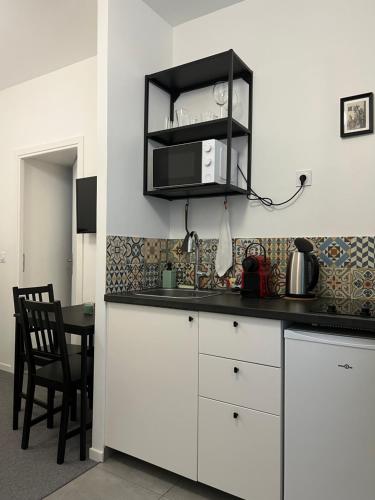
{"type": "Point", "coordinates": [40, 36]}
{"type": "Point", "coordinates": [179, 11]}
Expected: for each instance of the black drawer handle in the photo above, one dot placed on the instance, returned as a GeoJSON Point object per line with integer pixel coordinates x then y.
{"type": "Point", "coordinates": [191, 318]}
{"type": "Point", "coordinates": [235, 415]}
{"type": "Point", "coordinates": [236, 369]}
{"type": "Point", "coordinates": [235, 324]}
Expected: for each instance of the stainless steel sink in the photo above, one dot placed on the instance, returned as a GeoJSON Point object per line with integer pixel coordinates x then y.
{"type": "Point", "coordinates": [176, 293]}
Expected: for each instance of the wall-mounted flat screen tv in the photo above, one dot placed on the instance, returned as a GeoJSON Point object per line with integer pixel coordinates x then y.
{"type": "Point", "coordinates": [86, 205]}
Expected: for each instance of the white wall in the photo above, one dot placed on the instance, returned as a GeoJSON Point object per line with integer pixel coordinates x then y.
{"type": "Point", "coordinates": [140, 42]}
{"type": "Point", "coordinates": [305, 56]}
{"type": "Point", "coordinates": [45, 110]}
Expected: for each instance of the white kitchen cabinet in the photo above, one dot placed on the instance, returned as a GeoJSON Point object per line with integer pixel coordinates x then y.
{"type": "Point", "coordinates": [224, 432]}
{"type": "Point", "coordinates": [239, 450]}
{"type": "Point", "coordinates": [247, 339]}
{"type": "Point", "coordinates": [152, 385]}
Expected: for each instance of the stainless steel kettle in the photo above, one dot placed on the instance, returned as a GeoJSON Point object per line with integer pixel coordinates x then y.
{"type": "Point", "coordinates": [302, 271]}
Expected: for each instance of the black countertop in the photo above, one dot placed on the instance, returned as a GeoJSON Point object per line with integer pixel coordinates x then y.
{"type": "Point", "coordinates": [296, 311]}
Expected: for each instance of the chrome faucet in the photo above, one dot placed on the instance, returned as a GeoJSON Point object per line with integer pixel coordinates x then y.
{"type": "Point", "coordinates": [188, 247]}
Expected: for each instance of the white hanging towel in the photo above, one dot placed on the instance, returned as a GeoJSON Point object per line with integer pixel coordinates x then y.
{"type": "Point", "coordinates": [224, 255]}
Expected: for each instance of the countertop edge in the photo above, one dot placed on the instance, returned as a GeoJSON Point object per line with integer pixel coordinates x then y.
{"type": "Point", "coordinates": [256, 311]}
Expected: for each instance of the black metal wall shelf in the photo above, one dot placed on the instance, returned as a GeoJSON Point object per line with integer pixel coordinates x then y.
{"type": "Point", "coordinates": [201, 73]}
{"type": "Point", "coordinates": [217, 129]}
{"type": "Point", "coordinates": [202, 191]}
{"type": "Point", "coordinates": [226, 66]}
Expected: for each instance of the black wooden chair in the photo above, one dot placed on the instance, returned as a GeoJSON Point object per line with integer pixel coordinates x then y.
{"type": "Point", "coordinates": [43, 335]}
{"type": "Point", "coordinates": [39, 293]}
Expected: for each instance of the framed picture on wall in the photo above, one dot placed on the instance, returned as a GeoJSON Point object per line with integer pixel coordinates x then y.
{"type": "Point", "coordinates": [357, 115]}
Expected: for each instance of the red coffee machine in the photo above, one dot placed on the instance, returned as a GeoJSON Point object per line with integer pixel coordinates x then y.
{"type": "Point", "coordinates": [256, 270]}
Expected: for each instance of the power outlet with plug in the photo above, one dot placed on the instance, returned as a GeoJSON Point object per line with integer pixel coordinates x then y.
{"type": "Point", "coordinates": [307, 173]}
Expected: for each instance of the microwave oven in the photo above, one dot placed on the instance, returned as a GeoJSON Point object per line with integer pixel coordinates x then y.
{"type": "Point", "coordinates": [193, 164]}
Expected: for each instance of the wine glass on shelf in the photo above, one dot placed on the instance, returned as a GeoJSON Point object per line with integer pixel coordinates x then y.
{"type": "Point", "coordinates": [221, 97]}
{"type": "Point", "coordinates": [220, 92]}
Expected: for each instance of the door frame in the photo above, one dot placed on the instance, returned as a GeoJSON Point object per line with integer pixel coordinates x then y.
{"type": "Point", "coordinates": [77, 239]}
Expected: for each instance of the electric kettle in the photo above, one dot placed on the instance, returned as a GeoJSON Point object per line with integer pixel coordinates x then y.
{"type": "Point", "coordinates": [302, 271]}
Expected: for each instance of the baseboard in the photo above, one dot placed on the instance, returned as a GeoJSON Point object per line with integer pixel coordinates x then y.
{"type": "Point", "coordinates": [98, 455]}
{"type": "Point", "coordinates": [6, 368]}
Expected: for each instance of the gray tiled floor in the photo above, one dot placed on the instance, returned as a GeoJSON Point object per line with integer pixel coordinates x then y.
{"type": "Point", "coordinates": [122, 477]}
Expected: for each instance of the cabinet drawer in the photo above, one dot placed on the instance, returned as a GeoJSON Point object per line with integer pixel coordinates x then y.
{"type": "Point", "coordinates": [239, 455]}
{"type": "Point", "coordinates": [247, 339]}
{"type": "Point", "coordinates": [240, 383]}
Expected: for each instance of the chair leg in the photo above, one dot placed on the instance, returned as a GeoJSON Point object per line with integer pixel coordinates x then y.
{"type": "Point", "coordinates": [16, 398]}
{"type": "Point", "coordinates": [28, 413]}
{"type": "Point", "coordinates": [18, 377]}
{"type": "Point", "coordinates": [22, 371]}
{"type": "Point", "coordinates": [63, 428]}
{"type": "Point", "coordinates": [91, 394]}
{"type": "Point", "coordinates": [91, 381]}
{"type": "Point", "coordinates": [73, 415]}
{"type": "Point", "coordinates": [50, 404]}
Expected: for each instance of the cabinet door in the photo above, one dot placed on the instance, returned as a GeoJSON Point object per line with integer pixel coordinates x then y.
{"type": "Point", "coordinates": [152, 385]}
{"type": "Point", "coordinates": [239, 455]}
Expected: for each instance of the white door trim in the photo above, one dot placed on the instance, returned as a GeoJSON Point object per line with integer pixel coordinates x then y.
{"type": "Point", "coordinates": [26, 153]}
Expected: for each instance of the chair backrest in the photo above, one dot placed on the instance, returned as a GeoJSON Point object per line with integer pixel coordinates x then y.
{"type": "Point", "coordinates": [43, 333]}
{"type": "Point", "coordinates": [42, 293]}
{"type": "Point", "coordinates": [35, 293]}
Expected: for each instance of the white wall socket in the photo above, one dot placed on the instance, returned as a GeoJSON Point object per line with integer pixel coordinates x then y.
{"type": "Point", "coordinates": [308, 174]}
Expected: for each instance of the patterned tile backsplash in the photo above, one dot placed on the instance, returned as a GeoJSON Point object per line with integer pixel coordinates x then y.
{"type": "Point", "coordinates": [347, 263]}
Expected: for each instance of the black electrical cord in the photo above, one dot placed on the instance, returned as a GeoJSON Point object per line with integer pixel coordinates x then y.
{"type": "Point", "coordinates": [186, 214]}
{"type": "Point", "coordinates": [268, 202]}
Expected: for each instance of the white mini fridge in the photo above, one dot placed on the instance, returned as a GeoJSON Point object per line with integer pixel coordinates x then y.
{"type": "Point", "coordinates": [329, 417]}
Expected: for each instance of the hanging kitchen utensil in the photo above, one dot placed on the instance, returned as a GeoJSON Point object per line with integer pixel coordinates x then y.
{"type": "Point", "coordinates": [185, 244]}
{"type": "Point", "coordinates": [224, 254]}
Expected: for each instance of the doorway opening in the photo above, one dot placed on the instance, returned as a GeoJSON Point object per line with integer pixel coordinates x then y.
{"type": "Point", "coordinates": [50, 249]}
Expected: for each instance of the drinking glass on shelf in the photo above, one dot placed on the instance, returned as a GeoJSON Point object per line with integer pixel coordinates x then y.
{"type": "Point", "coordinates": [168, 122]}
{"type": "Point", "coordinates": [182, 117]}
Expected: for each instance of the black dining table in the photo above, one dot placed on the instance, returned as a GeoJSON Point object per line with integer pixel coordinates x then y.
{"type": "Point", "coordinates": [76, 322]}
